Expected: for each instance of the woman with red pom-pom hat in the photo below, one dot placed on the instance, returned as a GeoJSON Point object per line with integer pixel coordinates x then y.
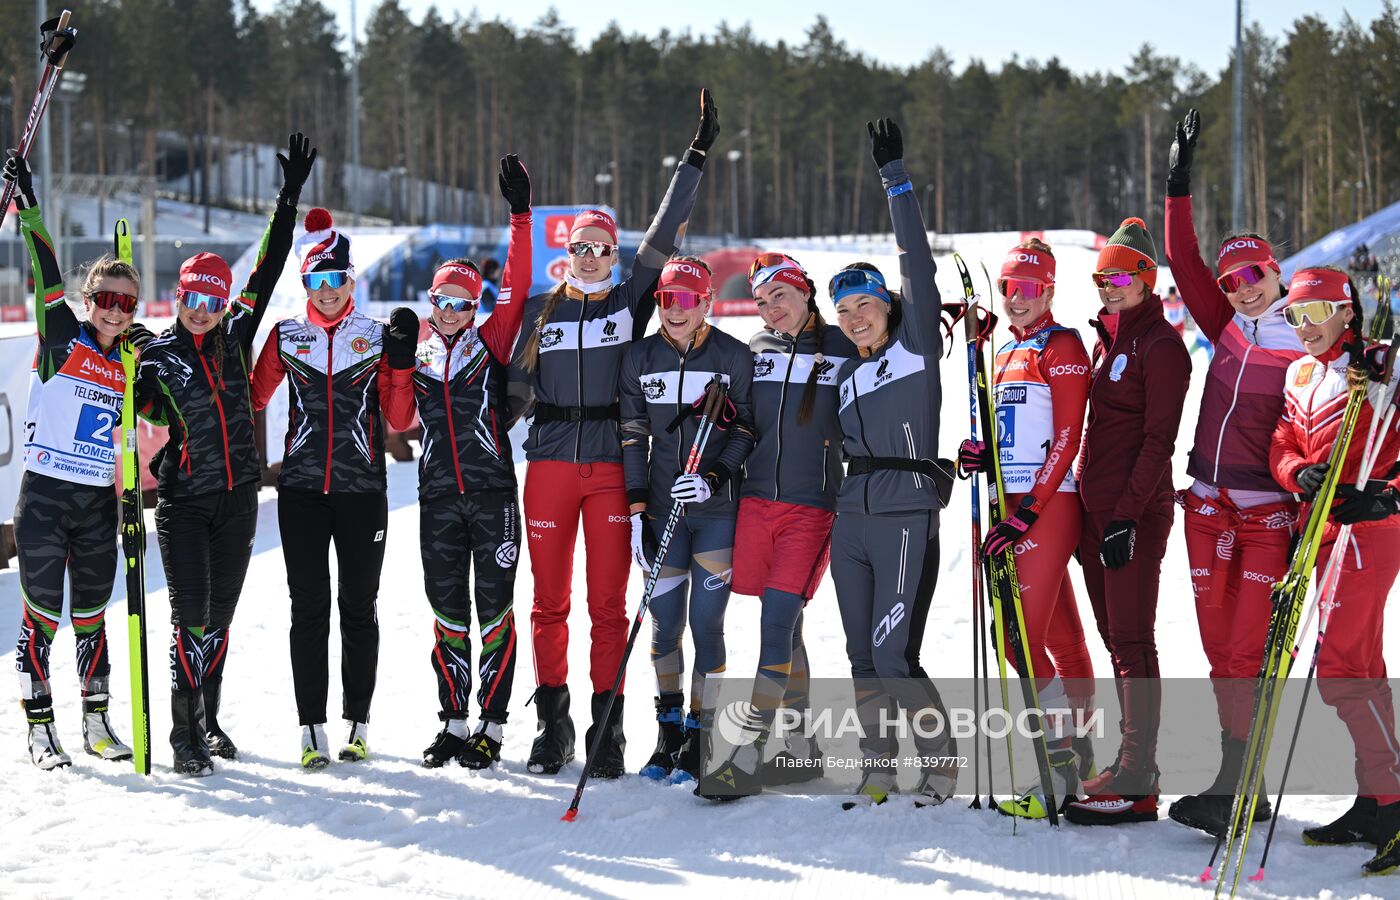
{"type": "Point", "coordinates": [194, 379]}
{"type": "Point", "coordinates": [1141, 370]}
{"type": "Point", "coordinates": [341, 368]}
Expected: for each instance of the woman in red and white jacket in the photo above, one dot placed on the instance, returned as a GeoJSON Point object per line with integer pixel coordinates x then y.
{"type": "Point", "coordinates": [1351, 675]}
{"type": "Point", "coordinates": [1238, 518]}
{"type": "Point", "coordinates": [1041, 379]}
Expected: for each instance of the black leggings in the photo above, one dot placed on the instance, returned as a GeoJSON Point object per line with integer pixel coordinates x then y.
{"type": "Point", "coordinates": [206, 542]}
{"type": "Point", "coordinates": [356, 522]}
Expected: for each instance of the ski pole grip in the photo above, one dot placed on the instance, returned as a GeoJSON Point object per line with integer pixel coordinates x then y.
{"type": "Point", "coordinates": [714, 397]}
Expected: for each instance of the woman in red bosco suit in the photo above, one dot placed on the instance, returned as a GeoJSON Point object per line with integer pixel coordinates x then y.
{"type": "Point", "coordinates": [1351, 675]}
{"type": "Point", "coordinates": [570, 351]}
{"type": "Point", "coordinates": [1042, 386]}
{"type": "Point", "coordinates": [1138, 386]}
{"type": "Point", "coordinates": [340, 365]}
{"type": "Point", "coordinates": [1238, 519]}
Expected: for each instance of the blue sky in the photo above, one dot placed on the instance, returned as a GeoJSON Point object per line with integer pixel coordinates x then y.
{"type": "Point", "coordinates": [1090, 35]}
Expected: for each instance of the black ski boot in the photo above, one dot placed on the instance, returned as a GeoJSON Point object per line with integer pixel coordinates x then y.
{"type": "Point", "coordinates": [1387, 831]}
{"type": "Point", "coordinates": [554, 743]}
{"type": "Point", "coordinates": [187, 734]}
{"type": "Point", "coordinates": [610, 762]}
{"type": "Point", "coordinates": [483, 749]}
{"type": "Point", "coordinates": [740, 774]}
{"type": "Point", "coordinates": [1357, 825]}
{"type": "Point", "coordinates": [1209, 810]}
{"type": "Point", "coordinates": [670, 722]}
{"type": "Point", "coordinates": [694, 748]}
{"type": "Point", "coordinates": [220, 744]}
{"type": "Point", "coordinates": [447, 744]}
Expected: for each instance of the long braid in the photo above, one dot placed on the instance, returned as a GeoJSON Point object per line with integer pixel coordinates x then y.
{"type": "Point", "coordinates": [220, 348]}
{"type": "Point", "coordinates": [530, 356]}
{"type": "Point", "coordinates": [809, 393]}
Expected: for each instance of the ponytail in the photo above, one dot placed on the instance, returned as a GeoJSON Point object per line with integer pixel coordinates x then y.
{"type": "Point", "coordinates": [530, 356]}
{"type": "Point", "coordinates": [809, 393]}
{"type": "Point", "coordinates": [220, 348]}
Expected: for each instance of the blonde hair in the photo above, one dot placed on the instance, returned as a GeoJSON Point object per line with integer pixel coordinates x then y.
{"type": "Point", "coordinates": [108, 266]}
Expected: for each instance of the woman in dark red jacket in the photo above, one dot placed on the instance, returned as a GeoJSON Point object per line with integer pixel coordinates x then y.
{"type": "Point", "coordinates": [1141, 372]}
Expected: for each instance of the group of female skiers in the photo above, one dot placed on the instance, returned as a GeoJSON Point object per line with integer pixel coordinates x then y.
{"type": "Point", "coordinates": [822, 452]}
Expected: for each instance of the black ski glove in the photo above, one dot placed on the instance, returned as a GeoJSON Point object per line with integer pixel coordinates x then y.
{"type": "Point", "coordinates": [139, 335]}
{"type": "Point", "coordinates": [709, 123]}
{"type": "Point", "coordinates": [886, 143]}
{"type": "Point", "coordinates": [515, 184]}
{"type": "Point", "coordinates": [1378, 501]}
{"type": "Point", "coordinates": [17, 170]}
{"type": "Point", "coordinates": [401, 339]}
{"type": "Point", "coordinates": [296, 167]}
{"type": "Point", "coordinates": [1179, 159]}
{"type": "Point", "coordinates": [1310, 478]}
{"type": "Point", "coordinates": [1368, 358]}
{"type": "Point", "coordinates": [1116, 547]}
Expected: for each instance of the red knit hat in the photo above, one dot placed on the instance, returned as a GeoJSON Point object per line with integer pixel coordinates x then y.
{"type": "Point", "coordinates": [1319, 284]}
{"type": "Point", "coordinates": [1028, 262]}
{"type": "Point", "coordinates": [1131, 249]}
{"type": "Point", "coordinates": [462, 276]}
{"type": "Point", "coordinates": [206, 273]}
{"type": "Point", "coordinates": [1242, 251]}
{"type": "Point", "coordinates": [325, 249]}
{"type": "Point", "coordinates": [684, 275]}
{"type": "Point", "coordinates": [594, 218]}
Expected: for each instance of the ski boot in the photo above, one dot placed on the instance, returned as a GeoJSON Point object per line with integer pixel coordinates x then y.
{"type": "Point", "coordinates": [451, 741]}
{"type": "Point", "coordinates": [187, 734]}
{"type": "Point", "coordinates": [670, 720]}
{"type": "Point", "coordinates": [1128, 797]}
{"type": "Point", "coordinates": [313, 748]}
{"type": "Point", "coordinates": [1064, 778]}
{"type": "Point", "coordinates": [483, 749]}
{"type": "Point", "coordinates": [610, 762]}
{"type": "Point", "coordinates": [1387, 831]}
{"type": "Point", "coordinates": [44, 748]}
{"type": "Point", "coordinates": [934, 788]}
{"type": "Point", "coordinates": [797, 762]}
{"type": "Point", "coordinates": [98, 737]}
{"type": "Point", "coordinates": [356, 747]}
{"type": "Point", "coordinates": [554, 743]}
{"type": "Point", "coordinates": [1210, 810]}
{"type": "Point", "coordinates": [740, 774]}
{"type": "Point", "coordinates": [875, 788]}
{"type": "Point", "coordinates": [1356, 826]}
{"type": "Point", "coordinates": [220, 744]}
{"type": "Point", "coordinates": [694, 748]}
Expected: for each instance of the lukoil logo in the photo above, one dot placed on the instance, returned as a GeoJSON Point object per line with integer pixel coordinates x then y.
{"type": "Point", "coordinates": [542, 523]}
{"type": "Point", "coordinates": [205, 276]}
{"type": "Point", "coordinates": [1026, 258]}
{"type": "Point", "coordinates": [1241, 244]}
{"type": "Point", "coordinates": [1200, 573]}
{"type": "Point", "coordinates": [687, 268]}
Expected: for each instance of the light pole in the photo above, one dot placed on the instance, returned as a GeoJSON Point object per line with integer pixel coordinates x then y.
{"type": "Point", "coordinates": [603, 179]}
{"type": "Point", "coordinates": [734, 156]}
{"type": "Point", "coordinates": [69, 90]}
{"type": "Point", "coordinates": [396, 176]}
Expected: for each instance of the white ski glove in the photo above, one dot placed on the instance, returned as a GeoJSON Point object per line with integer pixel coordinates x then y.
{"type": "Point", "coordinates": [691, 489]}
{"type": "Point", "coordinates": [643, 541]}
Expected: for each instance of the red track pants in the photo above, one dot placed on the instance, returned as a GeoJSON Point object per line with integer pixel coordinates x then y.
{"type": "Point", "coordinates": [555, 494]}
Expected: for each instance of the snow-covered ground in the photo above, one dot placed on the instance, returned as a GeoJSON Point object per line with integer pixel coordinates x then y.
{"type": "Point", "coordinates": [388, 828]}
